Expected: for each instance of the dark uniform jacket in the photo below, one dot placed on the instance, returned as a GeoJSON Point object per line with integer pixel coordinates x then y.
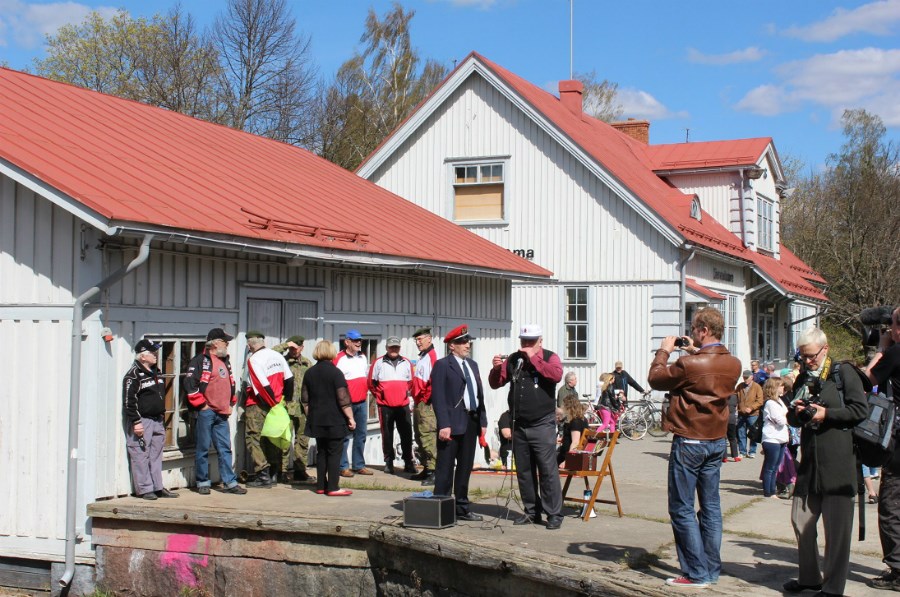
{"type": "Point", "coordinates": [699, 385]}
{"type": "Point", "coordinates": [450, 398]}
{"type": "Point", "coordinates": [827, 463]}
{"type": "Point", "coordinates": [143, 394]}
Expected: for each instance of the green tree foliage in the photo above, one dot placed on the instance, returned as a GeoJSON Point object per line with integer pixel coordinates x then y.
{"type": "Point", "coordinates": [163, 61]}
{"type": "Point", "coordinates": [375, 90]}
{"type": "Point", "coordinates": [844, 221]}
{"type": "Point", "coordinates": [599, 97]}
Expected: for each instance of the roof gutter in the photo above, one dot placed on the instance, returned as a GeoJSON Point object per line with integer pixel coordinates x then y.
{"type": "Point", "coordinates": [330, 255]}
{"type": "Point", "coordinates": [75, 402]}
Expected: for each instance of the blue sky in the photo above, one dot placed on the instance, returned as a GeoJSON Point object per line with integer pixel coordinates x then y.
{"type": "Point", "coordinates": [784, 69]}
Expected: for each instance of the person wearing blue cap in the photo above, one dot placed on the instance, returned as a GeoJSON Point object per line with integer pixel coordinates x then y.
{"type": "Point", "coordinates": [144, 405]}
{"type": "Point", "coordinates": [355, 366]}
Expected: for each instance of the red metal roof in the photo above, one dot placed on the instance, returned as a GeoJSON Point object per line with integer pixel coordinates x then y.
{"type": "Point", "coordinates": [707, 154]}
{"type": "Point", "coordinates": [134, 164]}
{"type": "Point", "coordinates": [703, 290]}
{"type": "Point", "coordinates": [633, 164]}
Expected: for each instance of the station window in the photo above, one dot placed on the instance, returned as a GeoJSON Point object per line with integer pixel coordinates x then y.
{"type": "Point", "coordinates": [478, 192]}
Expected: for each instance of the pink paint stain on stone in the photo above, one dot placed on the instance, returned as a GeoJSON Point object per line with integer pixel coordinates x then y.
{"type": "Point", "coordinates": [180, 556]}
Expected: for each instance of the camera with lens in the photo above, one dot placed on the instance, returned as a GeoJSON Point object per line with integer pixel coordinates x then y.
{"type": "Point", "coordinates": [874, 320]}
{"type": "Point", "coordinates": [682, 341]}
{"type": "Point", "coordinates": [813, 386]}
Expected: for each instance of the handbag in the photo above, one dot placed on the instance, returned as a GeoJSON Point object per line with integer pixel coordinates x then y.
{"type": "Point", "coordinates": [755, 432]}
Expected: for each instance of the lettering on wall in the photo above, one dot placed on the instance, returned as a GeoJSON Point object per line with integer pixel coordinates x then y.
{"type": "Point", "coordinates": [525, 253]}
{"type": "Point", "coordinates": [722, 275]}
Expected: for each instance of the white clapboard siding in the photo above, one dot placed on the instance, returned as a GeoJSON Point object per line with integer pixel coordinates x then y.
{"type": "Point", "coordinates": [549, 195]}
{"type": "Point", "coordinates": [719, 195]}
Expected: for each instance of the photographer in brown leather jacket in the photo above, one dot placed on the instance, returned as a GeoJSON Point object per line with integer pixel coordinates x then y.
{"type": "Point", "coordinates": [699, 384]}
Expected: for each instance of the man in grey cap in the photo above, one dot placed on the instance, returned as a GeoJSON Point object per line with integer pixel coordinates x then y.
{"type": "Point", "coordinates": [144, 404]}
{"type": "Point", "coordinates": [390, 381]}
{"type": "Point", "coordinates": [292, 350]}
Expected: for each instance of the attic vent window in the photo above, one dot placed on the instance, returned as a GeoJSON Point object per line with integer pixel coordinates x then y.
{"type": "Point", "coordinates": [478, 192]}
{"type": "Point", "coordinates": [696, 213]}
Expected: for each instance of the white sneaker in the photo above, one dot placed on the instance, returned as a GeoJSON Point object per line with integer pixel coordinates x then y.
{"type": "Point", "coordinates": [751, 455]}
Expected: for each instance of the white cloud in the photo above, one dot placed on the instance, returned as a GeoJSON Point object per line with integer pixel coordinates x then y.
{"type": "Point", "coordinates": [751, 54]}
{"type": "Point", "coordinates": [868, 78]}
{"type": "Point", "coordinates": [875, 18]}
{"type": "Point", "coordinates": [640, 104]}
{"type": "Point", "coordinates": [26, 24]}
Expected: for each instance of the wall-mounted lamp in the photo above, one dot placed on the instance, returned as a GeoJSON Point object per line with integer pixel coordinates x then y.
{"type": "Point", "coordinates": [297, 262]}
{"type": "Point", "coordinates": [755, 173]}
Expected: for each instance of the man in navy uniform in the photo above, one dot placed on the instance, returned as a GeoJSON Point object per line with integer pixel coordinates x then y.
{"type": "Point", "coordinates": [458, 400]}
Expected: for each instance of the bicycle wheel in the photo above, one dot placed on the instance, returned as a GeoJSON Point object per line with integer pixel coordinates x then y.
{"type": "Point", "coordinates": [592, 418]}
{"type": "Point", "coordinates": [632, 425]}
{"type": "Point", "coordinates": [654, 424]}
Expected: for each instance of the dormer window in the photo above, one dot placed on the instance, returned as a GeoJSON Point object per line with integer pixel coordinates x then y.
{"type": "Point", "coordinates": [696, 212]}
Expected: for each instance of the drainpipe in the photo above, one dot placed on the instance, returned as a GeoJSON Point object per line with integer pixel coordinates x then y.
{"type": "Point", "coordinates": [683, 268]}
{"type": "Point", "coordinates": [74, 402]}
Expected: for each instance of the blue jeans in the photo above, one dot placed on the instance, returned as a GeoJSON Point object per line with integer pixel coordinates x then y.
{"type": "Point", "coordinates": [213, 427]}
{"type": "Point", "coordinates": [773, 452]}
{"type": "Point", "coordinates": [744, 423]}
{"type": "Point", "coordinates": [694, 467]}
{"type": "Point", "coordinates": [361, 416]}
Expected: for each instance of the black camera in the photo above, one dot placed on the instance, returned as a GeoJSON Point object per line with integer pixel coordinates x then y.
{"type": "Point", "coordinates": [682, 341]}
{"type": "Point", "coordinates": [873, 320]}
{"type": "Point", "coordinates": [814, 386]}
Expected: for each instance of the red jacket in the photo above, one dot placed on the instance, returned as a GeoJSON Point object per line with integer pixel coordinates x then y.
{"type": "Point", "coordinates": [391, 381]}
{"type": "Point", "coordinates": [422, 378]}
{"type": "Point", "coordinates": [355, 370]}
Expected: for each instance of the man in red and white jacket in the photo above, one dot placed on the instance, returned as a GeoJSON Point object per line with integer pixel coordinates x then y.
{"type": "Point", "coordinates": [391, 382]}
{"type": "Point", "coordinates": [355, 367]}
{"type": "Point", "coordinates": [271, 381]}
{"type": "Point", "coordinates": [424, 421]}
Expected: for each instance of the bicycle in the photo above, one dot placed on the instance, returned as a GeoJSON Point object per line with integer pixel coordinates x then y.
{"type": "Point", "coordinates": [652, 414]}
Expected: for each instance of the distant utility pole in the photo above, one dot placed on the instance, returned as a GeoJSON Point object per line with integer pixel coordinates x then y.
{"type": "Point", "coordinates": [571, 38]}
{"type": "Point", "coordinates": [687, 135]}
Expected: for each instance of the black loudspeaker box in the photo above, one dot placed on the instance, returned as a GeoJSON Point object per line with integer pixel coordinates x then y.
{"type": "Point", "coordinates": [436, 512]}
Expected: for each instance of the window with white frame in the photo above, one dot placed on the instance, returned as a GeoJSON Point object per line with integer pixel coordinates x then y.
{"type": "Point", "coordinates": [729, 308]}
{"type": "Point", "coordinates": [576, 322]}
{"type": "Point", "coordinates": [478, 192]}
{"type": "Point", "coordinates": [176, 354]}
{"type": "Point", "coordinates": [765, 222]}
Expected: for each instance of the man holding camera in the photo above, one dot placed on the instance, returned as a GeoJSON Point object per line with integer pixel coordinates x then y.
{"type": "Point", "coordinates": [534, 372]}
{"type": "Point", "coordinates": [699, 384]}
{"type": "Point", "coordinates": [884, 371]}
{"type": "Point", "coordinates": [827, 473]}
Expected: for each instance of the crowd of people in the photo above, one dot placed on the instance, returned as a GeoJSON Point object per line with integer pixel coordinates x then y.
{"type": "Point", "coordinates": [805, 413]}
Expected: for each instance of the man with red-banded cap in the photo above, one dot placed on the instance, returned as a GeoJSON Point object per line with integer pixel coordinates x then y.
{"type": "Point", "coordinates": [424, 423]}
{"type": "Point", "coordinates": [458, 400]}
{"type": "Point", "coordinates": [271, 381]}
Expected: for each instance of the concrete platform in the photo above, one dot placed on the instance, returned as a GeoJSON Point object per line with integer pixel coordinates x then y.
{"type": "Point", "coordinates": [607, 555]}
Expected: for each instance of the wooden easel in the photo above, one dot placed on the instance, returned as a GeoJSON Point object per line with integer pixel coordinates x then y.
{"type": "Point", "coordinates": [605, 470]}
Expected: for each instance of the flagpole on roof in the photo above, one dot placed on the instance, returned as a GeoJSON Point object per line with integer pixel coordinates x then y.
{"type": "Point", "coordinates": [571, 37]}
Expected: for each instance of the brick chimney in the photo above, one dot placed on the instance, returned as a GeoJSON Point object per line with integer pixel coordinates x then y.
{"type": "Point", "coordinates": [570, 94]}
{"type": "Point", "coordinates": [639, 130]}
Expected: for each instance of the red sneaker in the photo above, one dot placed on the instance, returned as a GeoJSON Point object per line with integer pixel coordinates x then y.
{"type": "Point", "coordinates": [340, 492]}
{"type": "Point", "coordinates": [320, 491]}
{"type": "Point", "coordinates": [736, 459]}
{"type": "Point", "coordinates": [683, 581]}
{"type": "Point", "coordinates": [725, 459]}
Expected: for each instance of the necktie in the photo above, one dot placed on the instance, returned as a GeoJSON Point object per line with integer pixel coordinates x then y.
{"type": "Point", "coordinates": [473, 402]}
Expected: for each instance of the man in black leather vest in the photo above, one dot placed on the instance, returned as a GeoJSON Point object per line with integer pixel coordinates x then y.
{"type": "Point", "coordinates": [534, 373]}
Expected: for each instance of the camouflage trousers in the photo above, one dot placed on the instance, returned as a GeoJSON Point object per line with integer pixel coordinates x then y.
{"type": "Point", "coordinates": [263, 453]}
{"type": "Point", "coordinates": [425, 426]}
{"type": "Point", "coordinates": [300, 447]}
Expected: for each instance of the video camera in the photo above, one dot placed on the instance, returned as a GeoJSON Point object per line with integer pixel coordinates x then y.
{"type": "Point", "coordinates": [873, 320]}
